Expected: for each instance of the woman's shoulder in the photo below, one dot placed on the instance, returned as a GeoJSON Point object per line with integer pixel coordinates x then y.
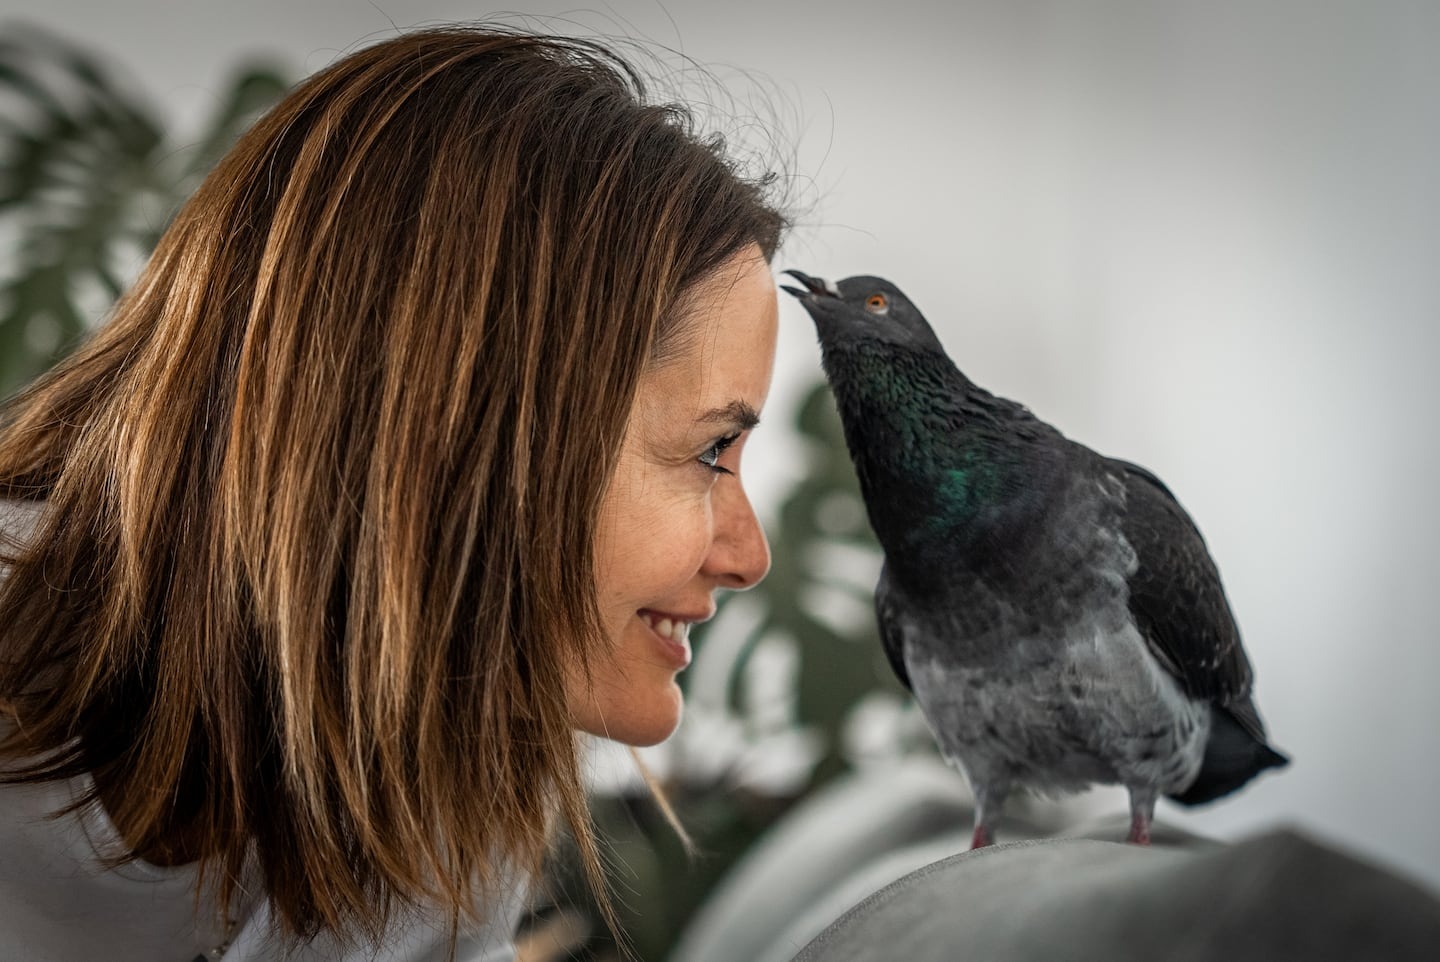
{"type": "Point", "coordinates": [59, 899]}
{"type": "Point", "coordinates": [414, 935]}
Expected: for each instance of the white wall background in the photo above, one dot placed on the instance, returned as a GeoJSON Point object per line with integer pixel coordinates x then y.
{"type": "Point", "coordinates": [1200, 236]}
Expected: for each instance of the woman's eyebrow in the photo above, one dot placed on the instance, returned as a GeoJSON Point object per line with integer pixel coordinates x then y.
{"type": "Point", "coordinates": [737, 412]}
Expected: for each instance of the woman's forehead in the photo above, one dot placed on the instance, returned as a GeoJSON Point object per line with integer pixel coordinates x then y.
{"type": "Point", "coordinates": [731, 303]}
{"type": "Point", "coordinates": [721, 369]}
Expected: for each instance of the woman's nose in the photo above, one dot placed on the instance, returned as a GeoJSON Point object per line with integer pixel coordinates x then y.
{"type": "Point", "coordinates": [739, 557]}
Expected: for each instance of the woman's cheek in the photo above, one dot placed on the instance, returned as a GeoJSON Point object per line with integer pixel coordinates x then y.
{"type": "Point", "coordinates": [672, 535]}
{"type": "Point", "coordinates": [689, 539]}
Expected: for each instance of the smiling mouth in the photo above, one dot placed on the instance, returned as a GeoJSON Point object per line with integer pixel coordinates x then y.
{"type": "Point", "coordinates": [674, 635]}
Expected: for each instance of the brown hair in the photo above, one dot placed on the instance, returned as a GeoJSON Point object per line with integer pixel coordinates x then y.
{"type": "Point", "coordinates": [321, 495]}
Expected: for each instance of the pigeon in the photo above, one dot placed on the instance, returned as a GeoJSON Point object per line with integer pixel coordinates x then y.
{"type": "Point", "coordinates": [1055, 612]}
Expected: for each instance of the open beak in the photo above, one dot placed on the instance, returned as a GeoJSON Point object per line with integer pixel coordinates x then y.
{"type": "Point", "coordinates": [814, 286]}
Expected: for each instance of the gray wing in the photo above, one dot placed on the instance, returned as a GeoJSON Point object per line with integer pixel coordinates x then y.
{"type": "Point", "coordinates": [1177, 600]}
{"type": "Point", "coordinates": [892, 637]}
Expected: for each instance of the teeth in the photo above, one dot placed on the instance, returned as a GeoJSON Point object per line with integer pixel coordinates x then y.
{"type": "Point", "coordinates": [666, 628]}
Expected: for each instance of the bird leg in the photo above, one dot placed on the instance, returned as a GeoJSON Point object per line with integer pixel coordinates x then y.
{"type": "Point", "coordinates": [989, 800]}
{"type": "Point", "coordinates": [1142, 812]}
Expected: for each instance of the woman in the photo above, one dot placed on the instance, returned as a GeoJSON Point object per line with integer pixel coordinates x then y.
{"type": "Point", "coordinates": [411, 453]}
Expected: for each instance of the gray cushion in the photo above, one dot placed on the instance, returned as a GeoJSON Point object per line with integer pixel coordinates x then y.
{"type": "Point", "coordinates": [1273, 897]}
{"type": "Point", "coordinates": [822, 844]}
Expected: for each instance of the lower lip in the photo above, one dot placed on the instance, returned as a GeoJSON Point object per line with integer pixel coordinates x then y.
{"type": "Point", "coordinates": [676, 653]}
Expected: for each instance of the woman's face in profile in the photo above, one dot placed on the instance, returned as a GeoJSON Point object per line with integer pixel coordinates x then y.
{"type": "Point", "coordinates": [676, 523]}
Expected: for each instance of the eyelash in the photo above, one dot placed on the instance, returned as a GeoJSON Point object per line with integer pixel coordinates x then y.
{"type": "Point", "coordinates": [710, 457]}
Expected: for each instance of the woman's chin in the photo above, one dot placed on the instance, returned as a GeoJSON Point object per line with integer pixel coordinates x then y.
{"type": "Point", "coordinates": [639, 723]}
{"type": "Point", "coordinates": [650, 736]}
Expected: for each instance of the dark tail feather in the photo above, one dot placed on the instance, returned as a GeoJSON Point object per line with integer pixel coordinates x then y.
{"type": "Point", "coordinates": [1233, 756]}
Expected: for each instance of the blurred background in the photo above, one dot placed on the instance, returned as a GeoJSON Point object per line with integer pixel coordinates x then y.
{"type": "Point", "coordinates": [1202, 237]}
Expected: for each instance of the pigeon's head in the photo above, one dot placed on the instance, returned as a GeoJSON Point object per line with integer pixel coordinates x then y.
{"type": "Point", "coordinates": [863, 309]}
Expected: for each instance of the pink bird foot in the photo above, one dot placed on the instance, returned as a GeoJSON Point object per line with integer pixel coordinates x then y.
{"type": "Point", "coordinates": [1142, 811]}
{"type": "Point", "coordinates": [1139, 830]}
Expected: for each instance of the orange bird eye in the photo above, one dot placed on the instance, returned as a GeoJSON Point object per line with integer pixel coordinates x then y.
{"type": "Point", "coordinates": [876, 304]}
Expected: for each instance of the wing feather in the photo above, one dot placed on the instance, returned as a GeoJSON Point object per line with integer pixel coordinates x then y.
{"type": "Point", "coordinates": [1176, 597]}
{"type": "Point", "coordinates": [892, 635]}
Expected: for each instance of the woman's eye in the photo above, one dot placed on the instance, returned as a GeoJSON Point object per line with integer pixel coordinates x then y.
{"type": "Point", "coordinates": [710, 457]}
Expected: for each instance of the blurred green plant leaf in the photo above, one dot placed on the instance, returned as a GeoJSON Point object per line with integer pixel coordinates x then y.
{"type": "Point", "coordinates": [823, 609]}
{"type": "Point", "coordinates": [88, 183]}
{"type": "Point", "coordinates": [819, 593]}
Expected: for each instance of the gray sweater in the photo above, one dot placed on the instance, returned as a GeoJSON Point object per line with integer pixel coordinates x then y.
{"type": "Point", "coordinates": [59, 903]}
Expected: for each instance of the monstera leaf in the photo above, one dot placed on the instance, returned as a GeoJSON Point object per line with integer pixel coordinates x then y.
{"type": "Point", "coordinates": [818, 602]}
{"type": "Point", "coordinates": [88, 181]}
{"type": "Point", "coordinates": [790, 689]}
